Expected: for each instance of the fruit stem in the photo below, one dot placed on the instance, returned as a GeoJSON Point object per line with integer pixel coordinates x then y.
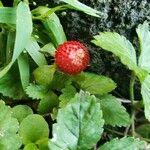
{"type": "Point", "coordinates": [131, 91]}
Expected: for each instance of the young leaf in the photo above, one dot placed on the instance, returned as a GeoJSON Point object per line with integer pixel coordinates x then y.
{"type": "Point", "coordinates": [54, 29]}
{"type": "Point", "coordinates": [23, 33]}
{"type": "Point", "coordinates": [79, 124]}
{"type": "Point", "coordinates": [36, 91]}
{"type": "Point", "coordinates": [67, 94]}
{"type": "Point", "coordinates": [48, 49]}
{"type": "Point", "coordinates": [144, 39]}
{"type": "Point", "coordinates": [48, 99]}
{"type": "Point", "coordinates": [33, 49]}
{"type": "Point", "coordinates": [21, 111]}
{"type": "Point", "coordinates": [47, 103]}
{"type": "Point", "coordinates": [9, 139]}
{"type": "Point", "coordinates": [24, 70]}
{"type": "Point", "coordinates": [33, 128]}
{"type": "Point", "coordinates": [145, 91]}
{"type": "Point", "coordinates": [8, 15]}
{"type": "Point", "coordinates": [10, 85]}
{"type": "Point", "coordinates": [95, 84]}
{"type": "Point", "coordinates": [43, 75]}
{"type": "Point", "coordinates": [79, 6]}
{"type": "Point", "coordinates": [126, 143]}
{"type": "Point", "coordinates": [113, 112]}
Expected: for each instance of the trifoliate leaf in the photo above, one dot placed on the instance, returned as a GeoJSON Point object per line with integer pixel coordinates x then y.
{"type": "Point", "coordinates": [21, 111]}
{"type": "Point", "coordinates": [79, 6]}
{"type": "Point", "coordinates": [48, 102]}
{"type": "Point", "coordinates": [60, 80]}
{"type": "Point", "coordinates": [121, 47]}
{"type": "Point", "coordinates": [9, 139]}
{"type": "Point", "coordinates": [67, 94]}
{"type": "Point", "coordinates": [43, 75]}
{"type": "Point", "coordinates": [33, 128]}
{"type": "Point", "coordinates": [10, 85]}
{"type": "Point", "coordinates": [124, 144]}
{"type": "Point", "coordinates": [95, 84]}
{"type": "Point", "coordinates": [36, 91]}
{"type": "Point", "coordinates": [145, 91]}
{"type": "Point", "coordinates": [144, 39]}
{"type": "Point", "coordinates": [113, 112]}
{"type": "Point", "coordinates": [79, 124]}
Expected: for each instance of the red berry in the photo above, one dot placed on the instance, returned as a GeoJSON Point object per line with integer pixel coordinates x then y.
{"type": "Point", "coordinates": [72, 57]}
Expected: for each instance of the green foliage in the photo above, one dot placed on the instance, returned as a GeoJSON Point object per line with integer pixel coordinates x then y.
{"type": "Point", "coordinates": [144, 130]}
{"type": "Point", "coordinates": [124, 143]}
{"type": "Point", "coordinates": [113, 112]}
{"type": "Point", "coordinates": [33, 128]}
{"type": "Point", "coordinates": [79, 6]}
{"type": "Point", "coordinates": [9, 139]}
{"type": "Point", "coordinates": [67, 94]}
{"type": "Point", "coordinates": [146, 96]}
{"type": "Point", "coordinates": [21, 111]}
{"type": "Point", "coordinates": [122, 48]}
{"type": "Point", "coordinates": [11, 88]}
{"type": "Point", "coordinates": [44, 74]}
{"type": "Point", "coordinates": [74, 123]}
{"type": "Point", "coordinates": [8, 15]}
{"type": "Point", "coordinates": [28, 75]}
{"type": "Point", "coordinates": [95, 84]}
{"type": "Point", "coordinates": [144, 39]}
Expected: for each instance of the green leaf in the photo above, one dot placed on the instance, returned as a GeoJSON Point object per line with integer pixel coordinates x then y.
{"type": "Point", "coordinates": [145, 91]}
{"type": "Point", "coordinates": [34, 51]}
{"type": "Point", "coordinates": [118, 45]}
{"type": "Point", "coordinates": [95, 84]}
{"type": "Point", "coordinates": [9, 139]}
{"type": "Point", "coordinates": [24, 70]}
{"type": "Point", "coordinates": [36, 91]}
{"type": "Point", "coordinates": [23, 29]}
{"type": "Point", "coordinates": [79, 6]}
{"type": "Point", "coordinates": [10, 85]}
{"type": "Point", "coordinates": [33, 128]}
{"type": "Point", "coordinates": [113, 112]}
{"type": "Point", "coordinates": [79, 124]}
{"type": "Point", "coordinates": [144, 130]}
{"type": "Point", "coordinates": [23, 33]}
{"type": "Point", "coordinates": [60, 80]}
{"type": "Point", "coordinates": [124, 143]}
{"type": "Point", "coordinates": [144, 39]}
{"type": "Point", "coordinates": [21, 111]}
{"type": "Point", "coordinates": [47, 103]}
{"type": "Point", "coordinates": [48, 49]}
{"type": "Point", "coordinates": [43, 75]}
{"type": "Point", "coordinates": [67, 94]}
{"type": "Point", "coordinates": [30, 146]}
{"type": "Point", "coordinates": [54, 29]}
{"type": "Point", "coordinates": [8, 15]}
{"type": "Point", "coordinates": [48, 99]}
{"type": "Point", "coordinates": [43, 144]}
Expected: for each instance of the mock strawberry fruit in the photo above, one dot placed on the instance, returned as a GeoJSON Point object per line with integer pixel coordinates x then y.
{"type": "Point", "coordinates": [72, 57]}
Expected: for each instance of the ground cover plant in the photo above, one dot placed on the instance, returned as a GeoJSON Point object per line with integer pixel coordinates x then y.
{"type": "Point", "coordinates": [49, 101]}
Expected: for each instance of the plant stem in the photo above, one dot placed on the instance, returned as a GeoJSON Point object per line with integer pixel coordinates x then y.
{"type": "Point", "coordinates": [131, 90]}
